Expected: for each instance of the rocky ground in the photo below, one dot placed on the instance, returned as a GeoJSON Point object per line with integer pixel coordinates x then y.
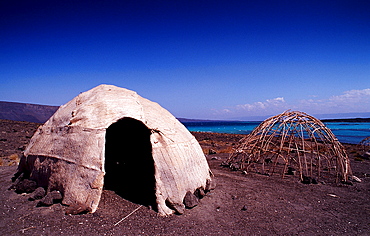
{"type": "Point", "coordinates": [250, 204]}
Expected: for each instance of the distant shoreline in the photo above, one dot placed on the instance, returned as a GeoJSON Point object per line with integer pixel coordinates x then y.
{"type": "Point", "coordinates": [349, 120]}
{"type": "Point", "coordinates": [338, 120]}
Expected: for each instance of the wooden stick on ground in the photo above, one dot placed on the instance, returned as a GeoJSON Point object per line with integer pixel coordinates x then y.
{"type": "Point", "coordinates": [128, 215]}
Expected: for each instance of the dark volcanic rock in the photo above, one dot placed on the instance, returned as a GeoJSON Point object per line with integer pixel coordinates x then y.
{"type": "Point", "coordinates": [211, 151]}
{"type": "Point", "coordinates": [37, 194]}
{"type": "Point", "coordinates": [25, 186]}
{"type": "Point", "coordinates": [199, 193]}
{"type": "Point", "coordinates": [77, 209]}
{"type": "Point", "coordinates": [210, 185]}
{"type": "Point", "coordinates": [177, 207]}
{"type": "Point", "coordinates": [190, 200]}
{"type": "Point", "coordinates": [291, 171]}
{"type": "Point", "coordinates": [309, 180]}
{"type": "Point", "coordinates": [50, 199]}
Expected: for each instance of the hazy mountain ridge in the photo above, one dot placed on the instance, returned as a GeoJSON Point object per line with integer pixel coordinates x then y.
{"type": "Point", "coordinates": [40, 113]}
{"type": "Point", "coordinates": [26, 112]}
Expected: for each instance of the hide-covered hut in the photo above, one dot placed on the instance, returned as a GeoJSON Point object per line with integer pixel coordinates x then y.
{"type": "Point", "coordinates": [113, 138]}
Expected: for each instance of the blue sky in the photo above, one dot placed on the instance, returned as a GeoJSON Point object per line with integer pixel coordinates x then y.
{"type": "Point", "coordinates": [198, 59]}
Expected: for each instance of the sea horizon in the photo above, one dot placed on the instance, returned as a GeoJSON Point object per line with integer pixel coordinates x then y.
{"type": "Point", "coordinates": [351, 131]}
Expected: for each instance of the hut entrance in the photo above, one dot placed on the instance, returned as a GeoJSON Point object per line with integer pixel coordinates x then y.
{"type": "Point", "coordinates": [129, 163]}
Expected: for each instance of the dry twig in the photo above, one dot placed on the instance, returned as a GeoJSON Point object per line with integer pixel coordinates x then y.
{"type": "Point", "coordinates": [128, 215]}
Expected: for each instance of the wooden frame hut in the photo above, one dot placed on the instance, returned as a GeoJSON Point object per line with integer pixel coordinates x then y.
{"type": "Point", "coordinates": [111, 137]}
{"type": "Point", "coordinates": [292, 143]}
{"type": "Point", "coordinates": [365, 143]}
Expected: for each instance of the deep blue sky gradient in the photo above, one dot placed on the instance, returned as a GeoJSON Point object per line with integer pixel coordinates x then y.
{"type": "Point", "coordinates": [199, 59]}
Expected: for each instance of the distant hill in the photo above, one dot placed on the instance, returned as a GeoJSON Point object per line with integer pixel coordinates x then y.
{"type": "Point", "coordinates": [357, 120]}
{"type": "Point", "coordinates": [195, 120]}
{"type": "Point", "coordinates": [41, 113]}
{"type": "Point", "coordinates": [26, 112]}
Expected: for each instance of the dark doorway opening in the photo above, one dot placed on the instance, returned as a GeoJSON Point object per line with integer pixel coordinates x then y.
{"type": "Point", "coordinates": [129, 163]}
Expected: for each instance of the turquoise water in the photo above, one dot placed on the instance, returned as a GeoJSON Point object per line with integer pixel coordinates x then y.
{"type": "Point", "coordinates": [346, 132]}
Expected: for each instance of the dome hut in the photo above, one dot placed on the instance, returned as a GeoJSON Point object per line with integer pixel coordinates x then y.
{"type": "Point", "coordinates": [365, 146]}
{"type": "Point", "coordinates": [292, 143]}
{"type": "Point", "coordinates": [365, 143]}
{"type": "Point", "coordinates": [113, 138]}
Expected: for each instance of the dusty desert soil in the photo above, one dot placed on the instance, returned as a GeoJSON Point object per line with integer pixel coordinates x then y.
{"type": "Point", "coordinates": [241, 204]}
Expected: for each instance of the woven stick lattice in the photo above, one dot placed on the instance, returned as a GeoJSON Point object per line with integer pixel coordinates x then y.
{"type": "Point", "coordinates": [365, 142]}
{"type": "Point", "coordinates": [292, 143]}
